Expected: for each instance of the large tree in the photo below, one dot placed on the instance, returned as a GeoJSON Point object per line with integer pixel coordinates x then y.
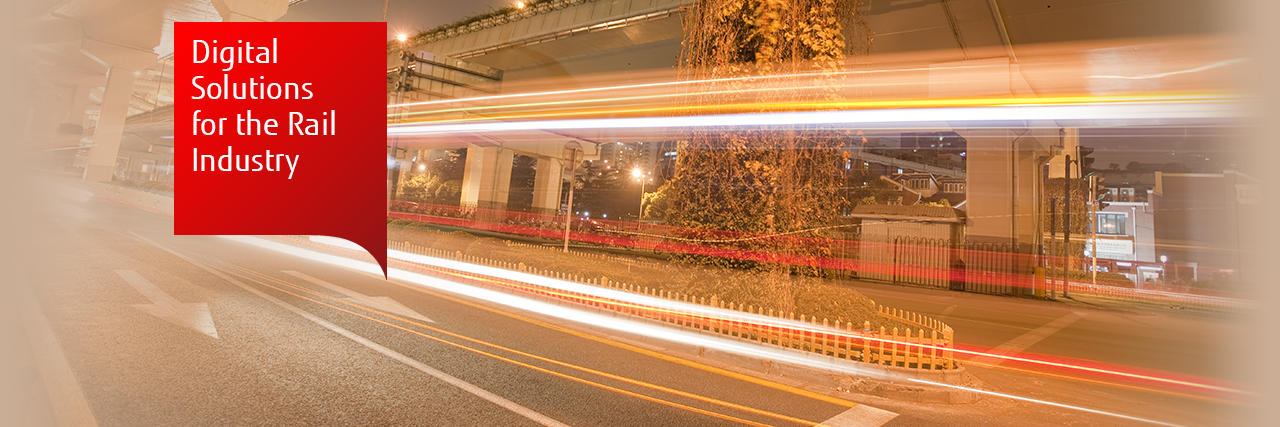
{"type": "Point", "coordinates": [782, 183]}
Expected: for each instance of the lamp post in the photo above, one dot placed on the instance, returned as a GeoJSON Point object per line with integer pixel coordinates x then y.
{"type": "Point", "coordinates": [1093, 225]}
{"type": "Point", "coordinates": [639, 175]}
{"type": "Point", "coordinates": [393, 151]}
{"type": "Point", "coordinates": [570, 151]}
{"type": "Point", "coordinates": [1066, 228]}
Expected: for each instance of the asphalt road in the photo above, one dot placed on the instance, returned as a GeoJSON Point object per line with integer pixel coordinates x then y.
{"type": "Point", "coordinates": [122, 299]}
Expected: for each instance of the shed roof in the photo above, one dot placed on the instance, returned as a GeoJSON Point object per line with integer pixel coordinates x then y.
{"type": "Point", "coordinates": [908, 213]}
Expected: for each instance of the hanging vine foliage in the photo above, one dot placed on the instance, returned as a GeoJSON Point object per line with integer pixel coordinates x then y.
{"type": "Point", "coordinates": [768, 181]}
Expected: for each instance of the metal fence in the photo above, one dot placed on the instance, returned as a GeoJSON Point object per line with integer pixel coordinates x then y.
{"type": "Point", "coordinates": [993, 268]}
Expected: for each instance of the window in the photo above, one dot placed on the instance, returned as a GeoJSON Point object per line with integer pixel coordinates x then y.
{"type": "Point", "coordinates": [953, 187]}
{"type": "Point", "coordinates": [1110, 223]}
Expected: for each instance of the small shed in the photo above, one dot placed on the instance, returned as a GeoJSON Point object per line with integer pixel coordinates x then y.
{"type": "Point", "coordinates": [907, 244]}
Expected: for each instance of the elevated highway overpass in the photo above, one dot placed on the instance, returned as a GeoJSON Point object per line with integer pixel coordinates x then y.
{"type": "Point", "coordinates": [102, 61]}
{"type": "Point", "coordinates": [930, 49]}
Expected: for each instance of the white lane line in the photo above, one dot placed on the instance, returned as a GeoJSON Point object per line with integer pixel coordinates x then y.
{"type": "Point", "coordinates": [385, 304]}
{"type": "Point", "coordinates": [190, 315]}
{"type": "Point", "coordinates": [70, 408]}
{"type": "Point", "coordinates": [465, 386]}
{"type": "Point", "coordinates": [948, 311]}
{"type": "Point", "coordinates": [860, 416]}
{"type": "Point", "coordinates": [1017, 345]}
{"type": "Point", "coordinates": [1044, 402]}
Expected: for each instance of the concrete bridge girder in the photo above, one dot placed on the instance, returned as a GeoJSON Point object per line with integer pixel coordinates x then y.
{"type": "Point", "coordinates": [251, 10]}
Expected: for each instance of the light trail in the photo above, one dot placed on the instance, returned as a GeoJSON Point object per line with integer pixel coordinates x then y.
{"type": "Point", "coordinates": [667, 243]}
{"type": "Point", "coordinates": [863, 118]}
{"type": "Point", "coordinates": [645, 302]}
{"type": "Point", "coordinates": [621, 325]}
{"type": "Point", "coordinates": [816, 106]}
{"type": "Point", "coordinates": [669, 83]}
{"type": "Point", "coordinates": [590, 101]}
{"type": "Point", "coordinates": [577, 316]}
{"type": "Point", "coordinates": [263, 277]}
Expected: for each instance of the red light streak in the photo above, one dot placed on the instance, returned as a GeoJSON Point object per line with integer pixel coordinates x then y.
{"type": "Point", "coordinates": [798, 330]}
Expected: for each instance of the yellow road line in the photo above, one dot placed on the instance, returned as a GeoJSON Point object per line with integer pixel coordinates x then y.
{"type": "Point", "coordinates": [522, 364]}
{"type": "Point", "coordinates": [644, 351]}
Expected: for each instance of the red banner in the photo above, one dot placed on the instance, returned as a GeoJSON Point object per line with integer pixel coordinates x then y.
{"type": "Point", "coordinates": [281, 117]}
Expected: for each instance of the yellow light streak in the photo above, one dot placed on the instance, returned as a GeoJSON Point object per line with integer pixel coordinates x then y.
{"type": "Point", "coordinates": [853, 105]}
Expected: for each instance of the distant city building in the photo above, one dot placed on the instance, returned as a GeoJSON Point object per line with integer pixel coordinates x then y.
{"type": "Point", "coordinates": [1127, 186]}
{"type": "Point", "coordinates": [613, 153]}
{"type": "Point", "coordinates": [647, 157]}
{"type": "Point", "coordinates": [1126, 240]}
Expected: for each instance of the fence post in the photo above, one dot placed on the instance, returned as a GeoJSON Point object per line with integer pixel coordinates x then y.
{"type": "Point", "coordinates": [826, 338]}
{"type": "Point", "coordinates": [933, 350]}
{"type": "Point", "coordinates": [899, 348]}
{"type": "Point", "coordinates": [880, 358]}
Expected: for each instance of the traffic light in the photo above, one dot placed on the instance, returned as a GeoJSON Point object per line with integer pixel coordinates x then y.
{"type": "Point", "coordinates": [1085, 157]}
{"type": "Point", "coordinates": [1099, 191]}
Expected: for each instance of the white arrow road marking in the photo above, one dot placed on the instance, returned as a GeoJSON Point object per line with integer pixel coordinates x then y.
{"type": "Point", "coordinates": [380, 303]}
{"type": "Point", "coordinates": [192, 315]}
{"type": "Point", "coordinates": [465, 386]}
{"type": "Point", "coordinates": [1017, 345]}
{"type": "Point", "coordinates": [860, 416]}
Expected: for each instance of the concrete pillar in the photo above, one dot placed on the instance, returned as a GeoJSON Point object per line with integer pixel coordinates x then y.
{"type": "Point", "coordinates": [77, 105]}
{"type": "Point", "coordinates": [486, 181]}
{"type": "Point", "coordinates": [106, 136]}
{"type": "Point", "coordinates": [1002, 181]}
{"type": "Point", "coordinates": [547, 183]}
{"type": "Point", "coordinates": [1003, 184]}
{"type": "Point", "coordinates": [122, 61]}
{"type": "Point", "coordinates": [502, 182]}
{"type": "Point", "coordinates": [989, 183]}
{"type": "Point", "coordinates": [251, 10]}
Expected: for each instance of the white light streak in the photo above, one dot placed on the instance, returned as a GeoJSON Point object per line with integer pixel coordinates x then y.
{"type": "Point", "coordinates": [574, 315]}
{"type": "Point", "coordinates": [621, 296]}
{"type": "Point", "coordinates": [1172, 73]}
{"type": "Point", "coordinates": [660, 84]}
{"type": "Point", "coordinates": [614, 323]}
{"type": "Point", "coordinates": [1128, 112]}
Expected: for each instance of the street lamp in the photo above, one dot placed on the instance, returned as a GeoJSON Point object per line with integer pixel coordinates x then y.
{"type": "Point", "coordinates": [571, 151]}
{"type": "Point", "coordinates": [639, 175]}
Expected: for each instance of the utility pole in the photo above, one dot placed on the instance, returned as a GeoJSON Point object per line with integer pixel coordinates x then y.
{"type": "Point", "coordinates": [1053, 238]}
{"type": "Point", "coordinates": [1093, 225]}
{"type": "Point", "coordinates": [394, 151]}
{"type": "Point", "coordinates": [1066, 229]}
{"type": "Point", "coordinates": [568, 212]}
